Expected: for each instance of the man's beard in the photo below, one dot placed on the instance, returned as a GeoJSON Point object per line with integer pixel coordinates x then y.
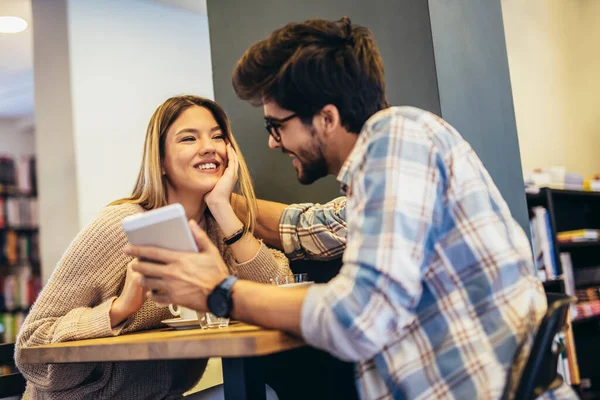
{"type": "Point", "coordinates": [313, 169]}
{"type": "Point", "coordinates": [313, 164]}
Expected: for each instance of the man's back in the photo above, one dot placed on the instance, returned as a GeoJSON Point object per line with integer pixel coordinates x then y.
{"type": "Point", "coordinates": [480, 299]}
{"type": "Point", "coordinates": [437, 273]}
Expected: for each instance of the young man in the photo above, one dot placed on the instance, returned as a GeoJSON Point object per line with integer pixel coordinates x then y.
{"type": "Point", "coordinates": [437, 297]}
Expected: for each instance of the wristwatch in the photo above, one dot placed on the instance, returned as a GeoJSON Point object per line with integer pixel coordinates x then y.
{"type": "Point", "coordinates": [219, 300]}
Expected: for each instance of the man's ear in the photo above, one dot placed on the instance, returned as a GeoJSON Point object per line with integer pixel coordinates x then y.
{"type": "Point", "coordinates": [330, 120]}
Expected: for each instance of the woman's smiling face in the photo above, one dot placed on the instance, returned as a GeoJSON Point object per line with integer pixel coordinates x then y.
{"type": "Point", "coordinates": [195, 152]}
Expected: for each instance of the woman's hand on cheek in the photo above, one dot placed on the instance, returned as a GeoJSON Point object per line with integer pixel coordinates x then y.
{"type": "Point", "coordinates": [221, 193]}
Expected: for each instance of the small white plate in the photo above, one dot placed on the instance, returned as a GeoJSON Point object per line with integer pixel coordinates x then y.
{"type": "Point", "coordinates": [180, 323]}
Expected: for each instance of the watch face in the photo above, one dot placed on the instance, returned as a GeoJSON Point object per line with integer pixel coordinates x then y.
{"type": "Point", "coordinates": [217, 304]}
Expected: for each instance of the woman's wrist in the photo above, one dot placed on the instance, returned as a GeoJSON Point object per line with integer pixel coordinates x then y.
{"type": "Point", "coordinates": [117, 314]}
{"type": "Point", "coordinates": [226, 219]}
{"type": "Point", "coordinates": [218, 204]}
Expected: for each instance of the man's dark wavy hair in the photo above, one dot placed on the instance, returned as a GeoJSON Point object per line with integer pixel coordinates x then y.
{"type": "Point", "coordinates": [304, 66]}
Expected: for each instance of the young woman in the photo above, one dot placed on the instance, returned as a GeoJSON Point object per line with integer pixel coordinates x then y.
{"type": "Point", "coordinates": [190, 157]}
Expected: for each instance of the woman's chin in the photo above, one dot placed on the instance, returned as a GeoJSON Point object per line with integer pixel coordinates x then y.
{"type": "Point", "coordinates": [198, 188]}
{"type": "Point", "coordinates": [205, 188]}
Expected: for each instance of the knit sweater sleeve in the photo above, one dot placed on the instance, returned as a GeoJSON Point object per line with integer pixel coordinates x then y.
{"type": "Point", "coordinates": [76, 301]}
{"type": "Point", "coordinates": [266, 265]}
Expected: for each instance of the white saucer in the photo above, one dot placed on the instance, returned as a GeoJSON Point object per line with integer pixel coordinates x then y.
{"type": "Point", "coordinates": [180, 323]}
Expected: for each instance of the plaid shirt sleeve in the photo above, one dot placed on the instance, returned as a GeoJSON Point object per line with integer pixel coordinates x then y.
{"type": "Point", "coordinates": [314, 231]}
{"type": "Point", "coordinates": [394, 195]}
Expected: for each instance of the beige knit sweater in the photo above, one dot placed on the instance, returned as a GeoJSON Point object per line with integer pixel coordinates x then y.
{"type": "Point", "coordinates": [75, 305]}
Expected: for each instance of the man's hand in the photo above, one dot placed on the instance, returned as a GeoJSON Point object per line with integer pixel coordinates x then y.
{"type": "Point", "coordinates": [185, 279]}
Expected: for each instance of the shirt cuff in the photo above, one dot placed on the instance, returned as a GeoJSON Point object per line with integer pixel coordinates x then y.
{"type": "Point", "coordinates": [321, 328]}
{"type": "Point", "coordinates": [313, 332]}
{"type": "Point", "coordinates": [288, 230]}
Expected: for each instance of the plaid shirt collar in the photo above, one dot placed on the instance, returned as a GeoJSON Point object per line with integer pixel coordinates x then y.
{"type": "Point", "coordinates": [352, 163]}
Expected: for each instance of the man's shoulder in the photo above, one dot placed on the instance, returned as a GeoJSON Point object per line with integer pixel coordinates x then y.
{"type": "Point", "coordinates": [412, 124]}
{"type": "Point", "coordinates": [390, 115]}
{"type": "Point", "coordinates": [406, 124]}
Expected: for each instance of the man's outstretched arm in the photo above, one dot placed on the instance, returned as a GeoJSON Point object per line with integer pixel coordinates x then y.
{"type": "Point", "coordinates": [302, 231]}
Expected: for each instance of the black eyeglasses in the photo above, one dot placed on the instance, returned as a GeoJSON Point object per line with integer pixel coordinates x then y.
{"type": "Point", "coordinates": [272, 126]}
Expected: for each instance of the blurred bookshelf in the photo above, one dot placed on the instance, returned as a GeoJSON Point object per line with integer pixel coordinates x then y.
{"type": "Point", "coordinates": [20, 281]}
{"type": "Point", "coordinates": [565, 229]}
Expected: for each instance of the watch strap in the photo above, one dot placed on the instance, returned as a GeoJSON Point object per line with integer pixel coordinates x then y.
{"type": "Point", "coordinates": [227, 283]}
{"type": "Point", "coordinates": [223, 290]}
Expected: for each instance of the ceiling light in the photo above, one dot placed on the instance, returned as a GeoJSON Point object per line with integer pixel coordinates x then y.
{"type": "Point", "coordinates": [12, 24]}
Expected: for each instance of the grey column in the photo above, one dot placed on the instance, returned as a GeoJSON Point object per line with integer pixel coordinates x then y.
{"type": "Point", "coordinates": [475, 90]}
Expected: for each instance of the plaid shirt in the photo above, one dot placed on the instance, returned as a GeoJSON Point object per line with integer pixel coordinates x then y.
{"type": "Point", "coordinates": [437, 291]}
{"type": "Point", "coordinates": [314, 231]}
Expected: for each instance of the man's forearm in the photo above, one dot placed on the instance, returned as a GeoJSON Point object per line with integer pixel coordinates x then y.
{"type": "Point", "coordinates": [279, 308]}
{"type": "Point", "coordinates": [267, 219]}
{"type": "Point", "coordinates": [269, 306]}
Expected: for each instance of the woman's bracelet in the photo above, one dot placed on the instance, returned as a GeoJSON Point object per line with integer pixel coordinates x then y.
{"type": "Point", "coordinates": [235, 237]}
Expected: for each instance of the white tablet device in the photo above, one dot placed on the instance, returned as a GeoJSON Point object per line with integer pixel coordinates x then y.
{"type": "Point", "coordinates": [166, 227]}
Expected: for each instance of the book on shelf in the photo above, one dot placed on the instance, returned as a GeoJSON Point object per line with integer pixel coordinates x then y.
{"type": "Point", "coordinates": [18, 186]}
{"type": "Point", "coordinates": [8, 183]}
{"type": "Point", "coordinates": [579, 235]}
{"type": "Point", "coordinates": [16, 249]}
{"type": "Point", "coordinates": [569, 358]}
{"type": "Point", "coordinates": [571, 354]}
{"type": "Point", "coordinates": [17, 176]}
{"type": "Point", "coordinates": [10, 324]}
{"type": "Point", "coordinates": [592, 184]}
{"type": "Point", "coordinates": [568, 275]}
{"type": "Point", "coordinates": [587, 309]}
{"type": "Point", "coordinates": [19, 213]}
{"type": "Point", "coordinates": [588, 303]}
{"type": "Point", "coordinates": [25, 171]}
{"type": "Point", "coordinates": [543, 244]}
{"type": "Point", "coordinates": [563, 363]}
{"type": "Point", "coordinates": [18, 292]}
{"type": "Point", "coordinates": [588, 294]}
{"type": "Point", "coordinates": [19, 243]}
{"type": "Point", "coordinates": [567, 361]}
{"type": "Point", "coordinates": [555, 177]}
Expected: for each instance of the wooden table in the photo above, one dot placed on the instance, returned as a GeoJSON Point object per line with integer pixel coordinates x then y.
{"type": "Point", "coordinates": [240, 345]}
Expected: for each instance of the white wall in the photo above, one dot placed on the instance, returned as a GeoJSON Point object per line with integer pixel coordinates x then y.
{"type": "Point", "coordinates": [585, 68]}
{"type": "Point", "coordinates": [56, 167]}
{"type": "Point", "coordinates": [127, 57]}
{"type": "Point", "coordinates": [554, 64]}
{"type": "Point", "coordinates": [101, 68]}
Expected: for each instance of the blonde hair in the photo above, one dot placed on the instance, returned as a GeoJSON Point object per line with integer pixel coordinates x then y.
{"type": "Point", "coordinates": [150, 190]}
